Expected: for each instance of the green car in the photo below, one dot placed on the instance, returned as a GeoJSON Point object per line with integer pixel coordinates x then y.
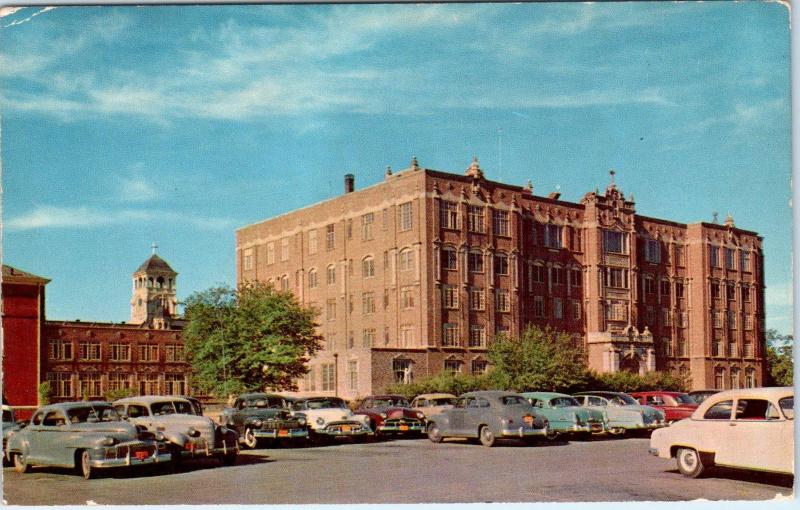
{"type": "Point", "coordinates": [566, 415]}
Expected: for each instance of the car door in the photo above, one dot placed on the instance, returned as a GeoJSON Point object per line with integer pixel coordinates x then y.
{"type": "Point", "coordinates": [713, 432]}
{"type": "Point", "coordinates": [47, 447]}
{"type": "Point", "coordinates": [458, 416]}
{"type": "Point", "coordinates": [757, 430]}
{"type": "Point", "coordinates": [475, 408]}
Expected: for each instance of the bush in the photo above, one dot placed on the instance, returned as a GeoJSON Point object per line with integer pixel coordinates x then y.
{"type": "Point", "coordinates": [444, 382]}
{"type": "Point", "coordinates": [628, 382]}
{"type": "Point", "coordinates": [45, 391]}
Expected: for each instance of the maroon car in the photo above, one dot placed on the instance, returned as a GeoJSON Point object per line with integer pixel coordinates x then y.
{"type": "Point", "coordinates": [391, 414]}
{"type": "Point", "coordinates": [674, 404]}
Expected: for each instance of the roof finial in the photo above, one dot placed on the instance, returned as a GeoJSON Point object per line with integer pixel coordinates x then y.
{"type": "Point", "coordinates": [154, 246]}
{"type": "Point", "coordinates": [715, 217]}
{"type": "Point", "coordinates": [612, 173]}
{"type": "Point", "coordinates": [529, 186]}
{"type": "Point", "coordinates": [729, 220]}
{"type": "Point", "coordinates": [388, 170]}
{"type": "Point", "coordinates": [474, 169]}
{"type": "Point", "coordinates": [414, 164]}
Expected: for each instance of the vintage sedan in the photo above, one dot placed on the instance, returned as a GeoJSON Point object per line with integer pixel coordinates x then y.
{"type": "Point", "coordinates": [86, 436]}
{"type": "Point", "coordinates": [431, 404]}
{"type": "Point", "coordinates": [187, 435]}
{"type": "Point", "coordinates": [623, 411]}
{"type": "Point", "coordinates": [261, 416]}
{"type": "Point", "coordinates": [566, 416]}
{"type": "Point", "coordinates": [10, 426]}
{"type": "Point", "coordinates": [674, 404]}
{"type": "Point", "coordinates": [489, 416]}
{"type": "Point", "coordinates": [750, 429]}
{"type": "Point", "coordinates": [391, 414]}
{"type": "Point", "coordinates": [329, 418]}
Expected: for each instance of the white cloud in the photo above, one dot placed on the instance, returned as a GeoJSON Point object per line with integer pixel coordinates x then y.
{"type": "Point", "coordinates": [137, 188]}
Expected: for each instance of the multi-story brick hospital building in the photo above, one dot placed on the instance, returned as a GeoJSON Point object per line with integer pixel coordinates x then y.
{"type": "Point", "coordinates": [417, 274]}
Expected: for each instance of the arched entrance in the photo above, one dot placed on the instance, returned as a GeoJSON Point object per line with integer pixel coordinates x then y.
{"type": "Point", "coordinates": [630, 363]}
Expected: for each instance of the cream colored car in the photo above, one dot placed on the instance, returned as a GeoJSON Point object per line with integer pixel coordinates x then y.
{"type": "Point", "coordinates": [432, 404]}
{"type": "Point", "coordinates": [749, 429]}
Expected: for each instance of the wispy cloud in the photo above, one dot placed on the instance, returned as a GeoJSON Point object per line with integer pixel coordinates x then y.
{"type": "Point", "coordinates": [136, 187]}
{"type": "Point", "coordinates": [25, 20]}
{"type": "Point", "coordinates": [51, 217]}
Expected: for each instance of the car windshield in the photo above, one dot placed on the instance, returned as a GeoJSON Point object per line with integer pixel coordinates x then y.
{"type": "Point", "coordinates": [326, 403]}
{"type": "Point", "coordinates": [390, 402]}
{"type": "Point", "coordinates": [270, 402]}
{"type": "Point", "coordinates": [8, 416]}
{"type": "Point", "coordinates": [513, 400]}
{"type": "Point", "coordinates": [92, 414]}
{"type": "Point", "coordinates": [183, 407]}
{"type": "Point", "coordinates": [161, 408]}
{"type": "Point", "coordinates": [787, 406]}
{"type": "Point", "coordinates": [623, 400]}
{"type": "Point", "coordinates": [444, 401]}
{"type": "Point", "coordinates": [684, 399]}
{"type": "Point", "coordinates": [564, 402]}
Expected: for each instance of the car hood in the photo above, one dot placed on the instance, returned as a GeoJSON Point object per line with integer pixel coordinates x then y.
{"type": "Point", "coordinates": [176, 420]}
{"type": "Point", "coordinates": [110, 427]}
{"type": "Point", "coordinates": [329, 415]}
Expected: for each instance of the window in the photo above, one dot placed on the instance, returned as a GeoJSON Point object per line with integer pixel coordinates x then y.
{"type": "Point", "coordinates": [729, 258]}
{"type": "Point", "coordinates": [732, 350]}
{"type": "Point", "coordinates": [748, 322]}
{"type": "Point", "coordinates": [666, 317]}
{"type": "Point", "coordinates": [557, 275]}
{"type": "Point", "coordinates": [503, 300]}
{"type": "Point", "coordinates": [576, 240]}
{"type": "Point", "coordinates": [328, 377]}
{"type": "Point", "coordinates": [119, 352]}
{"type": "Point", "coordinates": [679, 251]}
{"type": "Point", "coordinates": [714, 290]}
{"type": "Point", "coordinates": [448, 214]}
{"type": "Point", "coordinates": [450, 297]}
{"type": "Point", "coordinates": [119, 381]}
{"type": "Point", "coordinates": [615, 242]}
{"type": "Point", "coordinates": [652, 251]}
{"type": "Point", "coordinates": [717, 349]}
{"type": "Point", "coordinates": [248, 259]}
{"type": "Point", "coordinates": [558, 311]}
{"type": "Point", "coordinates": [682, 351]}
{"type": "Point", "coordinates": [313, 281]}
{"type": "Point", "coordinates": [479, 366]}
{"type": "Point", "coordinates": [406, 335]}
{"type": "Point", "coordinates": [60, 384]}
{"type": "Point", "coordinates": [331, 274]}
{"type": "Point", "coordinates": [553, 236]}
{"type": "Point", "coordinates": [666, 345]}
{"type": "Point", "coordinates": [174, 353]}
{"type": "Point", "coordinates": [407, 297]}
{"type": "Point", "coordinates": [475, 219]}
{"type": "Point", "coordinates": [576, 310]}
{"type": "Point", "coordinates": [500, 223]}
{"type": "Point", "coordinates": [385, 222]}
{"type": "Point", "coordinates": [449, 258]}
{"type": "Point", "coordinates": [617, 278]}
{"type": "Point", "coordinates": [649, 285]}
{"type": "Point", "coordinates": [89, 385]}
{"type": "Point", "coordinates": [284, 249]}
{"type": "Point", "coordinates": [617, 310]}
{"type": "Point", "coordinates": [538, 306]}
{"type": "Point", "coordinates": [366, 226]}
{"type": "Point", "coordinates": [717, 318]}
{"type": "Point", "coordinates": [722, 410]}
{"type": "Point", "coordinates": [89, 351]}
{"type": "Point", "coordinates": [352, 375]}
{"type": "Point", "coordinates": [270, 253]}
{"type": "Point", "coordinates": [731, 319]}
{"type": "Point", "coordinates": [730, 292]}
{"type": "Point", "coordinates": [477, 335]}
{"type": "Point", "coordinates": [368, 302]}
{"type": "Point", "coordinates": [475, 261]}
{"type": "Point", "coordinates": [713, 256]}
{"type": "Point", "coordinates": [348, 229]}
{"type": "Point", "coordinates": [312, 242]}
{"type": "Point", "coordinates": [452, 365]}
{"type": "Point", "coordinates": [534, 233]}
{"type": "Point", "coordinates": [285, 283]}
{"type": "Point", "coordinates": [450, 335]}
{"type": "Point", "coordinates": [406, 260]}
{"type": "Point", "coordinates": [575, 279]}
{"type": "Point", "coordinates": [330, 237]}
{"type": "Point", "coordinates": [368, 267]}
{"type": "Point", "coordinates": [650, 315]}
{"type": "Point", "coordinates": [501, 264]}
{"type": "Point", "coordinates": [60, 349]}
{"type": "Point", "coordinates": [477, 299]}
{"type": "Point", "coordinates": [538, 273]}
{"type": "Point", "coordinates": [750, 378]}
{"type": "Point", "coordinates": [679, 289]}
{"type": "Point", "coordinates": [148, 384]}
{"type": "Point", "coordinates": [330, 309]}
{"type": "Point", "coordinates": [401, 368]}
{"type": "Point", "coordinates": [148, 353]}
{"type": "Point", "coordinates": [406, 216]}
{"type": "Point", "coordinates": [368, 338]}
{"type": "Point", "coordinates": [174, 384]}
{"type": "Point", "coordinates": [665, 288]}
{"type": "Point", "coordinates": [744, 261]}
{"type": "Point", "coordinates": [309, 380]}
{"type": "Point", "coordinates": [745, 294]}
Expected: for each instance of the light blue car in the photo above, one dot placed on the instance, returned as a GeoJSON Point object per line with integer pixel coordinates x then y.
{"type": "Point", "coordinates": [566, 415]}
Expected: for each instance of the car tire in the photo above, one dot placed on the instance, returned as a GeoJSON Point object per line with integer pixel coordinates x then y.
{"type": "Point", "coordinates": [85, 465]}
{"type": "Point", "coordinates": [690, 462]}
{"type": "Point", "coordinates": [21, 463]}
{"type": "Point", "coordinates": [486, 436]}
{"type": "Point", "coordinates": [434, 434]}
{"type": "Point", "coordinates": [249, 439]}
{"type": "Point", "coordinates": [229, 459]}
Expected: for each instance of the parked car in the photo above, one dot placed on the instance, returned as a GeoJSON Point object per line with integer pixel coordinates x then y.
{"type": "Point", "coordinates": [329, 418]}
{"type": "Point", "coordinates": [86, 436]}
{"type": "Point", "coordinates": [431, 404]}
{"type": "Point", "coordinates": [488, 416]}
{"type": "Point", "coordinates": [751, 429]}
{"type": "Point", "coordinates": [700, 395]}
{"type": "Point", "coordinates": [566, 416]}
{"type": "Point", "coordinates": [188, 435]}
{"type": "Point", "coordinates": [259, 416]}
{"type": "Point", "coordinates": [675, 405]}
{"type": "Point", "coordinates": [10, 426]}
{"type": "Point", "coordinates": [623, 411]}
{"type": "Point", "coordinates": [391, 414]}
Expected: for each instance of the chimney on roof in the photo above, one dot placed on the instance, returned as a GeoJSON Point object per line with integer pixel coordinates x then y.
{"type": "Point", "coordinates": [349, 183]}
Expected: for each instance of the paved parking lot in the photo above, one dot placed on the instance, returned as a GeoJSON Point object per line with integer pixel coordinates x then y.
{"type": "Point", "coordinates": [405, 471]}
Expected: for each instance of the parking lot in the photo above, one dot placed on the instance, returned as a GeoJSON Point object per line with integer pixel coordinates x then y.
{"type": "Point", "coordinates": [405, 471]}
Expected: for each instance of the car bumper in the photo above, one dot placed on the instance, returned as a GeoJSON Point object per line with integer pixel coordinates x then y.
{"type": "Point", "coordinates": [340, 431]}
{"type": "Point", "coordinates": [639, 426]}
{"type": "Point", "coordinates": [205, 451]}
{"type": "Point", "coordinates": [523, 432]}
{"type": "Point", "coordinates": [406, 428]}
{"type": "Point", "coordinates": [131, 460]}
{"type": "Point", "coordinates": [281, 434]}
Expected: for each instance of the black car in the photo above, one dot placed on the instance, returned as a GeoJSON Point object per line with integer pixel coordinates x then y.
{"type": "Point", "coordinates": [262, 416]}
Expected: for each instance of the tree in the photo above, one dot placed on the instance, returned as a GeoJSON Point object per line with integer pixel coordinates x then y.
{"type": "Point", "coordinates": [542, 359]}
{"type": "Point", "coordinates": [780, 365]}
{"type": "Point", "coordinates": [44, 390]}
{"type": "Point", "coordinates": [248, 339]}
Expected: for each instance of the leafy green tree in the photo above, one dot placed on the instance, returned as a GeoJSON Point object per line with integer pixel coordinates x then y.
{"type": "Point", "coordinates": [780, 365]}
{"type": "Point", "coordinates": [112, 395]}
{"type": "Point", "coordinates": [443, 382]}
{"type": "Point", "coordinates": [542, 359]}
{"type": "Point", "coordinates": [627, 382]}
{"type": "Point", "coordinates": [45, 391]}
{"type": "Point", "coordinates": [248, 339]}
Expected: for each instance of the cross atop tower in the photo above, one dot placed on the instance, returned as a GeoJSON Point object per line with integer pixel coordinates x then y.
{"type": "Point", "coordinates": [154, 246]}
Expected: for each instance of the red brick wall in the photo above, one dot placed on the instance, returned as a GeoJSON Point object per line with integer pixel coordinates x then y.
{"type": "Point", "coordinates": [21, 323]}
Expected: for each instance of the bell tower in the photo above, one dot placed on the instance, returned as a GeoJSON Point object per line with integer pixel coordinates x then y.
{"type": "Point", "coordinates": [154, 298]}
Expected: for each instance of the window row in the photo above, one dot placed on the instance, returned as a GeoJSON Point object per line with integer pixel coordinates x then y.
{"type": "Point", "coordinates": [732, 382]}
{"type": "Point", "coordinates": [82, 385]}
{"type": "Point", "coordinates": [63, 350]}
{"type": "Point", "coordinates": [729, 289]}
{"type": "Point", "coordinates": [718, 255]}
{"type": "Point", "coordinates": [728, 319]}
{"type": "Point", "coordinates": [718, 348]}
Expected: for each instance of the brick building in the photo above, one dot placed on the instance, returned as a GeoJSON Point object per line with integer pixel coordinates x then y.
{"type": "Point", "coordinates": [418, 273]}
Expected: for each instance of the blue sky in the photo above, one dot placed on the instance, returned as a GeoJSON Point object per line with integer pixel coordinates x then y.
{"type": "Point", "coordinates": [127, 125]}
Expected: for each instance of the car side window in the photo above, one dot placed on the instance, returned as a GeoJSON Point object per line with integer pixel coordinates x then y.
{"type": "Point", "coordinates": [596, 401]}
{"type": "Point", "coordinates": [787, 406]}
{"type": "Point", "coordinates": [482, 402]}
{"type": "Point", "coordinates": [537, 403]}
{"type": "Point", "coordinates": [37, 418]}
{"type": "Point", "coordinates": [720, 411]}
{"type": "Point", "coordinates": [54, 419]}
{"type": "Point", "coordinates": [751, 409]}
{"type": "Point", "coordinates": [135, 411]}
{"type": "Point", "coordinates": [461, 403]}
{"type": "Point", "coordinates": [367, 404]}
{"type": "Point", "coordinates": [655, 400]}
{"type": "Point", "coordinates": [120, 409]}
{"type": "Point", "coordinates": [421, 403]}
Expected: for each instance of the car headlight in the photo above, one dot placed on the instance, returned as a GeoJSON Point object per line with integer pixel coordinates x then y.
{"type": "Point", "coordinates": [301, 422]}
{"type": "Point", "coordinates": [320, 420]}
{"type": "Point", "coordinates": [193, 432]}
{"type": "Point", "coordinates": [384, 415]}
{"type": "Point", "coordinates": [108, 441]}
{"type": "Point", "coordinates": [159, 436]}
{"type": "Point", "coordinates": [420, 415]}
{"type": "Point", "coordinates": [257, 423]}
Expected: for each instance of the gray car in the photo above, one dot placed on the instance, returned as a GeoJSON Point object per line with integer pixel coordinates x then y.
{"type": "Point", "coordinates": [489, 416]}
{"type": "Point", "coordinates": [10, 426]}
{"type": "Point", "coordinates": [262, 416]}
{"type": "Point", "coordinates": [83, 435]}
